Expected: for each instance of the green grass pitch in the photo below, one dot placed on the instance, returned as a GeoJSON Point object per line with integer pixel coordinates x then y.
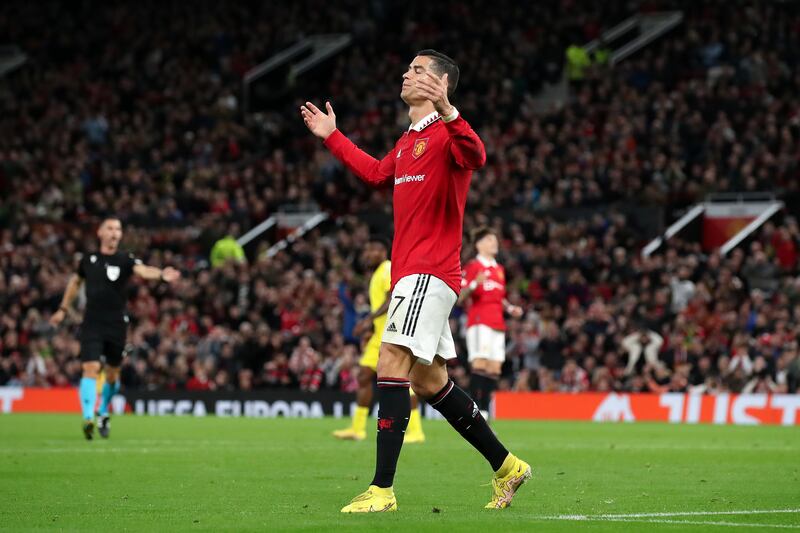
{"type": "Point", "coordinates": [212, 474]}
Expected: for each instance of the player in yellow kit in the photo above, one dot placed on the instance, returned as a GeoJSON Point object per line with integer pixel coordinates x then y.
{"type": "Point", "coordinates": [375, 256]}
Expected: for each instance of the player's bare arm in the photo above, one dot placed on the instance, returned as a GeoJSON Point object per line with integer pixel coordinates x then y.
{"type": "Point", "coordinates": [513, 310]}
{"type": "Point", "coordinates": [467, 291]}
{"type": "Point", "coordinates": [71, 292]}
{"type": "Point", "coordinates": [365, 323]}
{"type": "Point", "coordinates": [167, 274]}
{"type": "Point", "coordinates": [323, 125]}
{"type": "Point", "coordinates": [319, 123]}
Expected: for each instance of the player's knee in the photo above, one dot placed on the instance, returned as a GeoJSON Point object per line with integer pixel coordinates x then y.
{"type": "Point", "coordinates": [91, 370]}
{"type": "Point", "coordinates": [428, 385]}
{"type": "Point", "coordinates": [112, 375]}
{"type": "Point", "coordinates": [428, 380]}
{"type": "Point", "coordinates": [394, 361]}
{"type": "Point", "coordinates": [365, 377]}
{"type": "Point", "coordinates": [423, 388]}
{"type": "Point", "coordinates": [479, 364]}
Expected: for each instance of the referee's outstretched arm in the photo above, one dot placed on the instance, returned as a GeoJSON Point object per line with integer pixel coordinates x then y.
{"type": "Point", "coordinates": [167, 274]}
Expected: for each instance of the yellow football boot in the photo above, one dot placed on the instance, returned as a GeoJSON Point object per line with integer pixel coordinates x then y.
{"type": "Point", "coordinates": [507, 480]}
{"type": "Point", "coordinates": [350, 434]}
{"type": "Point", "coordinates": [374, 500]}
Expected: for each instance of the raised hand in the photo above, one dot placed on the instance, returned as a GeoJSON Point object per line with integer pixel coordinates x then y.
{"type": "Point", "coordinates": [362, 327]}
{"type": "Point", "coordinates": [434, 89]}
{"type": "Point", "coordinates": [515, 311]}
{"type": "Point", "coordinates": [319, 123]}
{"type": "Point", "coordinates": [170, 274]}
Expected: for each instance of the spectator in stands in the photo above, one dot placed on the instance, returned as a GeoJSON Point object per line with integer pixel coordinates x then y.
{"type": "Point", "coordinates": [641, 342]}
{"type": "Point", "coordinates": [683, 289]}
{"type": "Point", "coordinates": [227, 249]}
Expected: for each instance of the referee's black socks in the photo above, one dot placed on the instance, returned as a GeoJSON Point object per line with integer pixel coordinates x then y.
{"type": "Point", "coordinates": [393, 413]}
{"type": "Point", "coordinates": [463, 414]}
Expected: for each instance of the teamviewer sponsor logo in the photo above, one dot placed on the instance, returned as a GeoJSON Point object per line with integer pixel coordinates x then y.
{"type": "Point", "coordinates": [406, 178]}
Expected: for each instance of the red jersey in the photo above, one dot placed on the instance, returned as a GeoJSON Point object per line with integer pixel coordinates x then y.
{"type": "Point", "coordinates": [430, 167]}
{"type": "Point", "coordinates": [486, 301]}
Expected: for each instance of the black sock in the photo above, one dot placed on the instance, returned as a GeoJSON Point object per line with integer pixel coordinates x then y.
{"type": "Point", "coordinates": [463, 414]}
{"type": "Point", "coordinates": [490, 385]}
{"type": "Point", "coordinates": [481, 388]}
{"type": "Point", "coordinates": [477, 383]}
{"type": "Point", "coordinates": [393, 413]}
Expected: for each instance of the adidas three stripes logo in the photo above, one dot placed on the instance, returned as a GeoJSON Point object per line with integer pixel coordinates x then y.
{"type": "Point", "coordinates": [415, 305]}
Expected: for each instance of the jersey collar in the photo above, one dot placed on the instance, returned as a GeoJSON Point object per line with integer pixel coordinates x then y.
{"type": "Point", "coordinates": [424, 122]}
{"type": "Point", "coordinates": [486, 262]}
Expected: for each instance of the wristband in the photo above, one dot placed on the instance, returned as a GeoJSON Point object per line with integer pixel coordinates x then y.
{"type": "Point", "coordinates": [452, 116]}
{"type": "Point", "coordinates": [473, 285]}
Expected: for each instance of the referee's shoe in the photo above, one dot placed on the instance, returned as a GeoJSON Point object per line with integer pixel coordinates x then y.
{"type": "Point", "coordinates": [104, 426]}
{"type": "Point", "coordinates": [88, 429]}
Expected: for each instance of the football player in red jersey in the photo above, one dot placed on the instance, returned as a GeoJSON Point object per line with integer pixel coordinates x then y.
{"type": "Point", "coordinates": [484, 287]}
{"type": "Point", "coordinates": [430, 168]}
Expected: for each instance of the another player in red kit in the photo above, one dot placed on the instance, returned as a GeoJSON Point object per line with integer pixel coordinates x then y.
{"type": "Point", "coordinates": [484, 286]}
{"type": "Point", "coordinates": [430, 168]}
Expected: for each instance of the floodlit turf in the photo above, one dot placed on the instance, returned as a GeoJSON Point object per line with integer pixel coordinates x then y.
{"type": "Point", "coordinates": [274, 475]}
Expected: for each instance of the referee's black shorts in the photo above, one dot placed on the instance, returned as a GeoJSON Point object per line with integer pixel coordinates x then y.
{"type": "Point", "coordinates": [102, 343]}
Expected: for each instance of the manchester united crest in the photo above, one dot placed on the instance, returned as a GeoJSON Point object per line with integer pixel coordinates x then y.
{"type": "Point", "coordinates": [419, 148]}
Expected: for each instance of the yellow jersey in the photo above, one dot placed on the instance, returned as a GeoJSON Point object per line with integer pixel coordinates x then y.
{"type": "Point", "coordinates": [379, 286]}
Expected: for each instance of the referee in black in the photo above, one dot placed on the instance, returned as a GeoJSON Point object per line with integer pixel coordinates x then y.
{"type": "Point", "coordinates": [105, 322]}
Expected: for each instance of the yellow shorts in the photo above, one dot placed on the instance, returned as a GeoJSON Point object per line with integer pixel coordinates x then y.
{"type": "Point", "coordinates": [370, 357]}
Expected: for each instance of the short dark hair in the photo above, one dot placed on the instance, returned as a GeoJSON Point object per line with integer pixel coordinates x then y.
{"type": "Point", "coordinates": [443, 64]}
{"type": "Point", "coordinates": [109, 217]}
{"type": "Point", "coordinates": [481, 232]}
{"type": "Point", "coordinates": [380, 239]}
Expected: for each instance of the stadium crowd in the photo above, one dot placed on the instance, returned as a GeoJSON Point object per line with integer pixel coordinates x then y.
{"type": "Point", "coordinates": [117, 115]}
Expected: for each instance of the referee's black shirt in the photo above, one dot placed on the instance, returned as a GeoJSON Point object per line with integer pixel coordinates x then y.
{"type": "Point", "coordinates": [106, 277]}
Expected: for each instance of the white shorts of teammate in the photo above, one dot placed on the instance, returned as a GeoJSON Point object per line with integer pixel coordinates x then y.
{"type": "Point", "coordinates": [418, 317]}
{"type": "Point", "coordinates": [484, 342]}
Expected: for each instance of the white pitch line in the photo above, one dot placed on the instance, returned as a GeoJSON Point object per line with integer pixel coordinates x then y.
{"type": "Point", "coordinates": [696, 523]}
{"type": "Point", "coordinates": [93, 449]}
{"type": "Point", "coordinates": [662, 518]}
{"type": "Point", "coordinates": [684, 513]}
{"type": "Point", "coordinates": [607, 447]}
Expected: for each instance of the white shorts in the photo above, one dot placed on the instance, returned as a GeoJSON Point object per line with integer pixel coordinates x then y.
{"type": "Point", "coordinates": [484, 342]}
{"type": "Point", "coordinates": [418, 317]}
